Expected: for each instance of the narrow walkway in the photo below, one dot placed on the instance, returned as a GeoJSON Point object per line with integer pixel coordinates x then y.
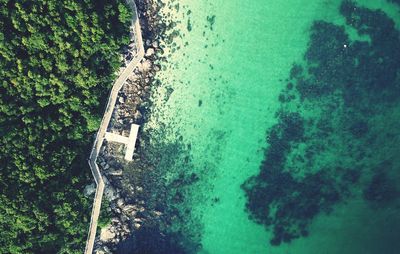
{"type": "Point", "coordinates": [103, 128]}
{"type": "Point", "coordinates": [128, 141]}
{"type": "Point", "coordinates": [130, 147]}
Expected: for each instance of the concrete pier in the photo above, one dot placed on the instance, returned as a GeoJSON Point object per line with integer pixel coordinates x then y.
{"type": "Point", "coordinates": [128, 141]}
{"type": "Point", "coordinates": [137, 36]}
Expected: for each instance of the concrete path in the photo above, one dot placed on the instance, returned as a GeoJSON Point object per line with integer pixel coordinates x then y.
{"type": "Point", "coordinates": [103, 128]}
{"type": "Point", "coordinates": [113, 137]}
{"type": "Point", "coordinates": [128, 141]}
{"type": "Point", "coordinates": [130, 147]}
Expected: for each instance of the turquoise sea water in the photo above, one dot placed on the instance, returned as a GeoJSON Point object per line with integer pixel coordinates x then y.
{"type": "Point", "coordinates": [224, 83]}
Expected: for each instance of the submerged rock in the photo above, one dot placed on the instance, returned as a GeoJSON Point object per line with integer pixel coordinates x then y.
{"type": "Point", "coordinates": [362, 77]}
{"type": "Point", "coordinates": [136, 225]}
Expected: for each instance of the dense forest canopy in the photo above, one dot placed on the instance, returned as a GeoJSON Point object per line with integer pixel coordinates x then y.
{"type": "Point", "coordinates": [57, 61]}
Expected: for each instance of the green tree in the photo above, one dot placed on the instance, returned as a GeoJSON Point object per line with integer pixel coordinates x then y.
{"type": "Point", "coordinates": [57, 62]}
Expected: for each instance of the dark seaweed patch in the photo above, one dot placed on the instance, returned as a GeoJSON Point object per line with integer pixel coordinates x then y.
{"type": "Point", "coordinates": [189, 25]}
{"type": "Point", "coordinates": [278, 200]}
{"type": "Point", "coordinates": [165, 174]}
{"type": "Point", "coordinates": [395, 1]}
{"type": "Point", "coordinates": [381, 188]}
{"type": "Point", "coordinates": [211, 21]}
{"type": "Point", "coordinates": [151, 240]}
{"type": "Point", "coordinates": [316, 155]}
{"type": "Point", "coordinates": [359, 128]}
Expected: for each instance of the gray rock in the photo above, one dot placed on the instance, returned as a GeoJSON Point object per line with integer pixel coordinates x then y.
{"type": "Point", "coordinates": [125, 228]}
{"type": "Point", "coordinates": [115, 220]}
{"type": "Point", "coordinates": [136, 225]}
{"type": "Point", "coordinates": [145, 66]}
{"type": "Point", "coordinates": [89, 189]}
{"type": "Point", "coordinates": [133, 213]}
{"type": "Point", "coordinates": [137, 115]}
{"type": "Point", "coordinates": [148, 42]}
{"type": "Point", "coordinates": [150, 52]}
{"type": "Point", "coordinates": [110, 193]}
{"type": "Point", "coordinates": [129, 208]}
{"type": "Point", "coordinates": [120, 202]}
{"type": "Point", "coordinates": [100, 252]}
{"type": "Point", "coordinates": [106, 181]}
{"type": "Point", "coordinates": [137, 220]}
{"type": "Point", "coordinates": [132, 79]}
{"type": "Point", "coordinates": [115, 240]}
{"type": "Point", "coordinates": [107, 234]}
{"type": "Point", "coordinates": [106, 249]}
{"type": "Point", "coordinates": [126, 114]}
{"type": "Point", "coordinates": [157, 213]}
{"type": "Point", "coordinates": [116, 172]}
{"type": "Point", "coordinates": [124, 218]}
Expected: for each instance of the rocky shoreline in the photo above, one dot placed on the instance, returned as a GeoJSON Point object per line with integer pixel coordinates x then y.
{"type": "Point", "coordinates": [127, 211]}
{"type": "Point", "coordinates": [144, 209]}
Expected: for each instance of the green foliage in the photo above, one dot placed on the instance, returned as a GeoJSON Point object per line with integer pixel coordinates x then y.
{"type": "Point", "coordinates": [105, 214]}
{"type": "Point", "coordinates": [57, 62]}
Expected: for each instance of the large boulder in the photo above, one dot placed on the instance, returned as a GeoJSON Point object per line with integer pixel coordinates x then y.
{"type": "Point", "coordinates": [129, 208]}
{"type": "Point", "coordinates": [107, 234]}
{"type": "Point", "coordinates": [145, 66]}
{"type": "Point", "coordinates": [89, 189]}
{"type": "Point", "coordinates": [138, 115]}
{"type": "Point", "coordinates": [120, 202]}
{"type": "Point", "coordinates": [150, 52]}
{"type": "Point", "coordinates": [110, 193]}
{"type": "Point", "coordinates": [103, 250]}
{"type": "Point", "coordinates": [115, 172]}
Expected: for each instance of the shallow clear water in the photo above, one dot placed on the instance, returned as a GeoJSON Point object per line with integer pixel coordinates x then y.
{"type": "Point", "coordinates": [219, 93]}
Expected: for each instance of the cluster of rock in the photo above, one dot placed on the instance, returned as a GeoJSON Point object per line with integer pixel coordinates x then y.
{"type": "Point", "coordinates": [131, 107]}
{"type": "Point", "coordinates": [126, 217]}
{"type": "Point", "coordinates": [133, 98]}
{"type": "Point", "coordinates": [128, 210]}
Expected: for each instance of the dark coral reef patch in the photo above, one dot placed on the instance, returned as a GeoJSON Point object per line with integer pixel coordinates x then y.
{"type": "Point", "coordinates": [329, 137]}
